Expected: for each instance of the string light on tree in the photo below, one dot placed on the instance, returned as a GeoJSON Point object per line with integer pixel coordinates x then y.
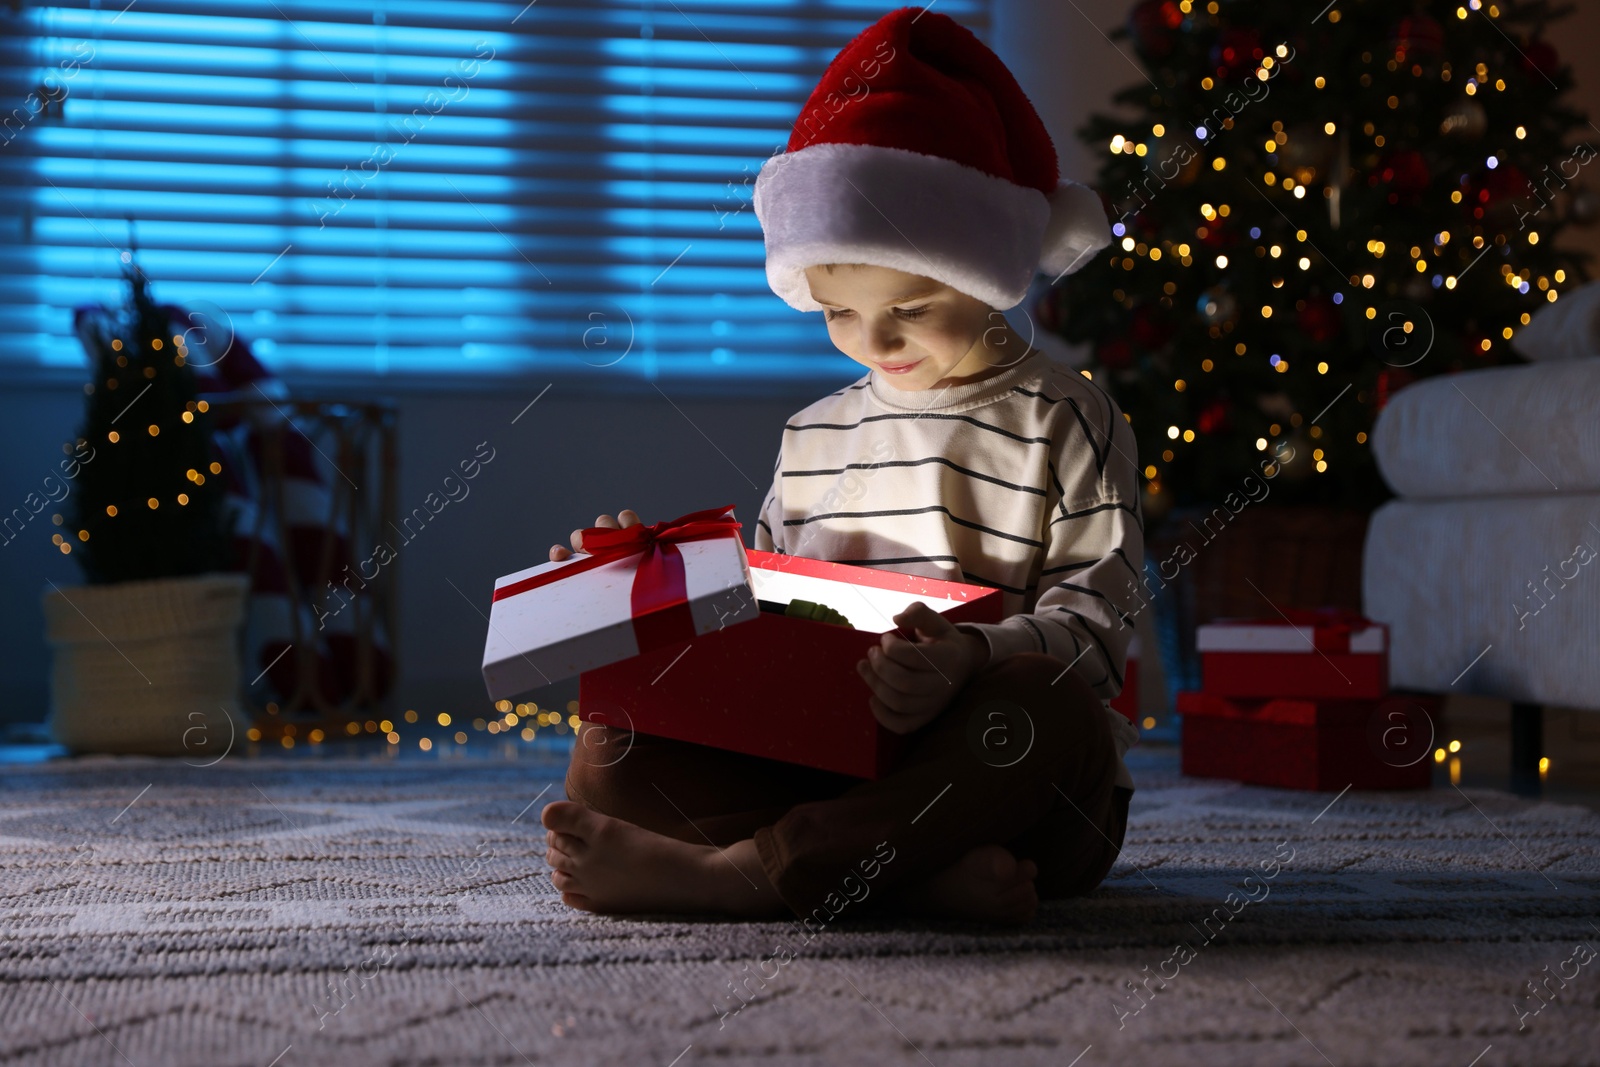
{"type": "Point", "coordinates": [117, 539]}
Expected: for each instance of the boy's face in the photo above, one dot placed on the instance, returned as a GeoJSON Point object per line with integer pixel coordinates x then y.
{"type": "Point", "coordinates": [914, 331]}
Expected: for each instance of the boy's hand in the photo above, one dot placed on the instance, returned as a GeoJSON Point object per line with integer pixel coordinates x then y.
{"type": "Point", "coordinates": [628, 518]}
{"type": "Point", "coordinates": [912, 683]}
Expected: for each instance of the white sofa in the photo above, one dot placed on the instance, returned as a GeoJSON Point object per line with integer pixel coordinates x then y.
{"type": "Point", "coordinates": [1487, 566]}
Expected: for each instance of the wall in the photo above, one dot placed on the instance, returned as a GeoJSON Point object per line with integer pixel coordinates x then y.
{"type": "Point", "coordinates": [1578, 42]}
{"type": "Point", "coordinates": [567, 460]}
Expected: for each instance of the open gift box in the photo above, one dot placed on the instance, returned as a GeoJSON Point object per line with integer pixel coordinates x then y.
{"type": "Point", "coordinates": [781, 686]}
{"type": "Point", "coordinates": [686, 639]}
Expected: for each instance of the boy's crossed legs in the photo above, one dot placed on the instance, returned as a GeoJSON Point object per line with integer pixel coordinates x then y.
{"type": "Point", "coordinates": [1006, 796]}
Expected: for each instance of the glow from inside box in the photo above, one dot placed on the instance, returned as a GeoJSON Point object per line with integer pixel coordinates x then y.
{"type": "Point", "coordinates": [867, 607]}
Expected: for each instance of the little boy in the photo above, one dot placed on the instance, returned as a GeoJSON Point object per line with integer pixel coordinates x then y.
{"type": "Point", "coordinates": [911, 215]}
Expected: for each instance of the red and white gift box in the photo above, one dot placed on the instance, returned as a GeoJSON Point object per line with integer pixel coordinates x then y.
{"type": "Point", "coordinates": [781, 687]}
{"type": "Point", "coordinates": [631, 591]}
{"type": "Point", "coordinates": [1323, 654]}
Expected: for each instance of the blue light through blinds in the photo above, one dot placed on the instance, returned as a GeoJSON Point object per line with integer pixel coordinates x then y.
{"type": "Point", "coordinates": [417, 187]}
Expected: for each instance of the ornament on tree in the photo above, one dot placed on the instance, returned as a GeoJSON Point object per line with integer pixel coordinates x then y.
{"type": "Point", "coordinates": [1153, 26]}
{"type": "Point", "coordinates": [1115, 354]}
{"type": "Point", "coordinates": [1217, 306]}
{"type": "Point", "coordinates": [1390, 381]}
{"type": "Point", "coordinates": [1539, 57]}
{"type": "Point", "coordinates": [1341, 175]}
{"type": "Point", "coordinates": [1465, 119]}
{"type": "Point", "coordinates": [1417, 39]}
{"type": "Point", "coordinates": [1275, 406]}
{"type": "Point", "coordinates": [1150, 329]}
{"type": "Point", "coordinates": [1236, 52]}
{"type": "Point", "coordinates": [1497, 195]}
{"type": "Point", "coordinates": [1149, 222]}
{"type": "Point", "coordinates": [1417, 288]}
{"type": "Point", "coordinates": [1294, 461]}
{"type": "Point", "coordinates": [1216, 417]}
{"type": "Point", "coordinates": [1182, 156]}
{"type": "Point", "coordinates": [1218, 236]}
{"type": "Point", "coordinates": [1406, 174]}
{"type": "Point", "coordinates": [1320, 319]}
{"type": "Point", "coordinates": [1504, 182]}
{"type": "Point", "coordinates": [1306, 152]}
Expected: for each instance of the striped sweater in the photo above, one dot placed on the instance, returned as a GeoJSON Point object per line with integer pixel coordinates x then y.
{"type": "Point", "coordinates": [1025, 481]}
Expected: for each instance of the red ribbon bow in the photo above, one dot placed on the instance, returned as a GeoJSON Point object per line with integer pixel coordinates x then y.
{"type": "Point", "coordinates": [1330, 627]}
{"type": "Point", "coordinates": [660, 599]}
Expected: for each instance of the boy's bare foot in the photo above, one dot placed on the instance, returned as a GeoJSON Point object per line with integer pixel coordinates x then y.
{"type": "Point", "coordinates": [607, 865]}
{"type": "Point", "coordinates": [988, 884]}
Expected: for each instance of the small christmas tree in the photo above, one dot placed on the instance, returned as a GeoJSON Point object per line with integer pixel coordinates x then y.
{"type": "Point", "coordinates": [149, 502]}
{"type": "Point", "coordinates": [1309, 212]}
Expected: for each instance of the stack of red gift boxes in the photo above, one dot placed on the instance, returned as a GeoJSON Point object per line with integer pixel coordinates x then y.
{"type": "Point", "coordinates": [1303, 702]}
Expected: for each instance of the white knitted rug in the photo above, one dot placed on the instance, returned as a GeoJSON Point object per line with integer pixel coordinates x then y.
{"type": "Point", "coordinates": [352, 913]}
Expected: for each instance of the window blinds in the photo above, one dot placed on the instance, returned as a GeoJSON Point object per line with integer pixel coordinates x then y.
{"type": "Point", "coordinates": [417, 188]}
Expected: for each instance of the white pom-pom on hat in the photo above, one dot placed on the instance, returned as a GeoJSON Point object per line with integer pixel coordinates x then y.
{"type": "Point", "coordinates": [1077, 229]}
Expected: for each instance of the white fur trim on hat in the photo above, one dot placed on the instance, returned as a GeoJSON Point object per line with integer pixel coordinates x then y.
{"type": "Point", "coordinates": [1077, 229]}
{"type": "Point", "coordinates": [922, 214]}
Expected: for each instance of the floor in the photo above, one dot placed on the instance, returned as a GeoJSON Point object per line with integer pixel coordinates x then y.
{"type": "Point", "coordinates": [1472, 742]}
{"type": "Point", "coordinates": [384, 904]}
{"type": "Point", "coordinates": [1571, 745]}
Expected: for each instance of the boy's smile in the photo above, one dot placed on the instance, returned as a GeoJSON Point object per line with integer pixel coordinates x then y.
{"type": "Point", "coordinates": [917, 332]}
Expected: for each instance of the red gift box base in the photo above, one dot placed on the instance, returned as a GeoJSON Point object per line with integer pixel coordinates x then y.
{"type": "Point", "coordinates": [777, 686]}
{"type": "Point", "coordinates": [1320, 745]}
{"type": "Point", "coordinates": [688, 702]}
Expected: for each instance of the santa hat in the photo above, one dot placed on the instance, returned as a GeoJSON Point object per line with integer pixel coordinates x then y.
{"type": "Point", "coordinates": [918, 151]}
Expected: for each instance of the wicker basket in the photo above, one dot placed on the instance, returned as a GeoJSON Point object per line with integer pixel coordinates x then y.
{"type": "Point", "coordinates": [147, 666]}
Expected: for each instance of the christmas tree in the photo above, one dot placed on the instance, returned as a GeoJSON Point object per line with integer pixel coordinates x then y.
{"type": "Point", "coordinates": [1311, 210]}
{"type": "Point", "coordinates": [148, 504]}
